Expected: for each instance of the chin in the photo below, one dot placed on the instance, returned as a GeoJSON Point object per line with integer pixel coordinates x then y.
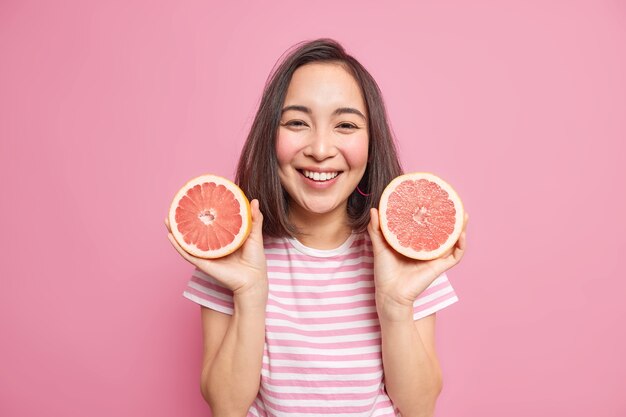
{"type": "Point", "coordinates": [320, 208]}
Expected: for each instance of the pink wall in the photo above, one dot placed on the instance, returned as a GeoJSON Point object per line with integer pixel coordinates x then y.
{"type": "Point", "coordinates": [107, 107]}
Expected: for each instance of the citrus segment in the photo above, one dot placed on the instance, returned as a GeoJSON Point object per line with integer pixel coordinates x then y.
{"type": "Point", "coordinates": [210, 217]}
{"type": "Point", "coordinates": [421, 216]}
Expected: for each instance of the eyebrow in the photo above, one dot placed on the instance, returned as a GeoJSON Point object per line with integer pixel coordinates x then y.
{"type": "Point", "coordinates": [340, 110]}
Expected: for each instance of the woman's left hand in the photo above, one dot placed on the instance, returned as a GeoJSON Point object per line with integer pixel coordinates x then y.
{"type": "Point", "coordinates": [400, 280]}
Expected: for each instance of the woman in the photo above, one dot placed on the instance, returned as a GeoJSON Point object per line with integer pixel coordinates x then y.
{"type": "Point", "coordinates": [315, 314]}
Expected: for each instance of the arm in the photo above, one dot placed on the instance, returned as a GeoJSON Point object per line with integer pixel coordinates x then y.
{"type": "Point", "coordinates": [412, 373]}
{"type": "Point", "coordinates": [233, 355]}
{"type": "Point", "coordinates": [233, 345]}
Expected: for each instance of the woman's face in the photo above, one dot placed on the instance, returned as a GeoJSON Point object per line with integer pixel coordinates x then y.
{"type": "Point", "coordinates": [322, 140]}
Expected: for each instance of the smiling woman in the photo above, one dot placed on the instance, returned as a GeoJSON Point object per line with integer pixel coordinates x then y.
{"type": "Point", "coordinates": [317, 63]}
{"type": "Point", "coordinates": [316, 314]}
{"type": "Point", "coordinates": [322, 142]}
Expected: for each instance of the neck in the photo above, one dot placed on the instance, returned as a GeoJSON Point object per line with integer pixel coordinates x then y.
{"type": "Point", "coordinates": [321, 231]}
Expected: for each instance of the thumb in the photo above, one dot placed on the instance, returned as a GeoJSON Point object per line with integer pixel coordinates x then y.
{"type": "Point", "coordinates": [257, 220]}
{"type": "Point", "coordinates": [378, 240]}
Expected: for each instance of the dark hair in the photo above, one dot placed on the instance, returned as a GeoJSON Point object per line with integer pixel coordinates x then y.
{"type": "Point", "coordinates": [257, 172]}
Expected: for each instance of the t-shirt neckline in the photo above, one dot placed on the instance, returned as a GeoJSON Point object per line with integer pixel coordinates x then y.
{"type": "Point", "coordinates": [322, 253]}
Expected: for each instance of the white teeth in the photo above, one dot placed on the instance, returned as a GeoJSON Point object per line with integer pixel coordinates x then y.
{"type": "Point", "coordinates": [319, 176]}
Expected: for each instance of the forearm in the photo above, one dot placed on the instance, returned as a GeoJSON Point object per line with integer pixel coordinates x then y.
{"type": "Point", "coordinates": [412, 377]}
{"type": "Point", "coordinates": [232, 382]}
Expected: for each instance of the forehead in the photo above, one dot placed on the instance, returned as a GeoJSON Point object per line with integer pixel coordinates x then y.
{"type": "Point", "coordinates": [324, 85]}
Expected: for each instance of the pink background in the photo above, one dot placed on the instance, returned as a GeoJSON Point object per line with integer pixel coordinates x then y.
{"type": "Point", "coordinates": [106, 108]}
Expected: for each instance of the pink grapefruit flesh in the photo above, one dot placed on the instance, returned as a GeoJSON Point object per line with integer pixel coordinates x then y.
{"type": "Point", "coordinates": [421, 216]}
{"type": "Point", "coordinates": [210, 217]}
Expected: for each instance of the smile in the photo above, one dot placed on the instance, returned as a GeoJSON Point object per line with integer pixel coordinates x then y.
{"type": "Point", "coordinates": [319, 176]}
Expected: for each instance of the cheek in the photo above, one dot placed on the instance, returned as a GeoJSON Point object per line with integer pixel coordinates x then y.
{"type": "Point", "coordinates": [355, 151]}
{"type": "Point", "coordinates": [285, 148]}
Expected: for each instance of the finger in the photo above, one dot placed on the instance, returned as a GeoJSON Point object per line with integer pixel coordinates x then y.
{"type": "Point", "coordinates": [373, 225]}
{"type": "Point", "coordinates": [459, 248]}
{"type": "Point", "coordinates": [441, 265]}
{"type": "Point", "coordinates": [257, 220]}
{"type": "Point", "coordinates": [373, 228]}
{"type": "Point", "coordinates": [190, 258]}
{"type": "Point", "coordinates": [461, 244]}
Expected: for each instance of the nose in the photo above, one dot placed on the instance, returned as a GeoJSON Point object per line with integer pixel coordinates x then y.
{"type": "Point", "coordinates": [321, 146]}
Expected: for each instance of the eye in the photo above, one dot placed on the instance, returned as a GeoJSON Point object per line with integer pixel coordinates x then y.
{"type": "Point", "coordinates": [295, 123]}
{"type": "Point", "coordinates": [347, 126]}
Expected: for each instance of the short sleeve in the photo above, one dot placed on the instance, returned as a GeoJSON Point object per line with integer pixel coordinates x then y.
{"type": "Point", "coordinates": [208, 292]}
{"type": "Point", "coordinates": [438, 295]}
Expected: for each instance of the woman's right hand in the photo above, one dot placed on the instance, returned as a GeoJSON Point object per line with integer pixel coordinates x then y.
{"type": "Point", "coordinates": [243, 271]}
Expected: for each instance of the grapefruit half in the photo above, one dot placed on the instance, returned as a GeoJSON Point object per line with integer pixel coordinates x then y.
{"type": "Point", "coordinates": [421, 216]}
{"type": "Point", "coordinates": [210, 217]}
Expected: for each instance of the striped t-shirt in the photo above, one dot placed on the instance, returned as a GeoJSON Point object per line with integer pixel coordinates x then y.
{"type": "Point", "coordinates": [322, 353]}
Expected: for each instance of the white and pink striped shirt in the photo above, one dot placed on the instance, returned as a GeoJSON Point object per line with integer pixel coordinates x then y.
{"type": "Point", "coordinates": [322, 352]}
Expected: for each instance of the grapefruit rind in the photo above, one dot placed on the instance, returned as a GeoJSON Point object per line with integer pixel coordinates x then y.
{"type": "Point", "coordinates": [245, 212]}
{"type": "Point", "coordinates": [392, 239]}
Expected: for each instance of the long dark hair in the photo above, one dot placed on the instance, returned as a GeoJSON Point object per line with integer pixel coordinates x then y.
{"type": "Point", "coordinates": [257, 172]}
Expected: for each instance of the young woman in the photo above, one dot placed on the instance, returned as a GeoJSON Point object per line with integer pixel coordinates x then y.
{"type": "Point", "coordinates": [315, 314]}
